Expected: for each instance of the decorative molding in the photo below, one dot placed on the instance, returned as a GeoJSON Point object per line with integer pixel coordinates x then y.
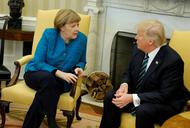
{"type": "Point", "coordinates": [125, 4]}
{"type": "Point", "coordinates": [171, 7]}
{"type": "Point", "coordinates": [164, 7]}
{"type": "Point", "coordinates": [93, 6]}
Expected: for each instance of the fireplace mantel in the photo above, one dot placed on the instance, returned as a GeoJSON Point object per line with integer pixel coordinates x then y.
{"type": "Point", "coordinates": [165, 7]}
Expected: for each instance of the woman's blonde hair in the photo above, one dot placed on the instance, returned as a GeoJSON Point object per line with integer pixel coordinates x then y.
{"type": "Point", "coordinates": [154, 30]}
{"type": "Point", "coordinates": [65, 16]}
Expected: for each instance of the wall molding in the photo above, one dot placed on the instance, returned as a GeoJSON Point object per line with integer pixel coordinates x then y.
{"type": "Point", "coordinates": [164, 7]}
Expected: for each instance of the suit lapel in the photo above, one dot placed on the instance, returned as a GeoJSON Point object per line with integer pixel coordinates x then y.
{"type": "Point", "coordinates": [155, 63]}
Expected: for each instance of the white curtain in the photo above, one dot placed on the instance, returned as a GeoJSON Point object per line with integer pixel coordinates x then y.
{"type": "Point", "coordinates": [31, 6]}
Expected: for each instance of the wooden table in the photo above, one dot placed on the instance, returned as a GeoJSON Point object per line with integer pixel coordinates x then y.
{"type": "Point", "coordinates": [181, 120]}
{"type": "Point", "coordinates": [19, 35]}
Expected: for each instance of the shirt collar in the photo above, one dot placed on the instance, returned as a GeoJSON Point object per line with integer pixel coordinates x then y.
{"type": "Point", "coordinates": [153, 53]}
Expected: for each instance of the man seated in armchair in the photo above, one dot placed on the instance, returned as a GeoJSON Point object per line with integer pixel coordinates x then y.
{"type": "Point", "coordinates": [152, 88]}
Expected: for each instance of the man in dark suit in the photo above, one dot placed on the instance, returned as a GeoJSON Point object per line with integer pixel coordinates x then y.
{"type": "Point", "coordinates": [153, 87]}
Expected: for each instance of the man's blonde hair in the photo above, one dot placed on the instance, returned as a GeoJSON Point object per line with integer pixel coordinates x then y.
{"type": "Point", "coordinates": [65, 16]}
{"type": "Point", "coordinates": [154, 30]}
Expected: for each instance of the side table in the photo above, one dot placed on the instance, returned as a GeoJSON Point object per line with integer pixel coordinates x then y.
{"type": "Point", "coordinates": [181, 120]}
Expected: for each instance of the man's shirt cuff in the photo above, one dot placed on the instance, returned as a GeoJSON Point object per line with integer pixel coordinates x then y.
{"type": "Point", "coordinates": [136, 100]}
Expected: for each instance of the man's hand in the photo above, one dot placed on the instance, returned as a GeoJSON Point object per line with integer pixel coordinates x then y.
{"type": "Point", "coordinates": [123, 89]}
{"type": "Point", "coordinates": [123, 100]}
{"type": "Point", "coordinates": [79, 71]}
{"type": "Point", "coordinates": [69, 77]}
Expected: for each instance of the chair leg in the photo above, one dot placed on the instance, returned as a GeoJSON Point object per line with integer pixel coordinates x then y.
{"type": "Point", "coordinates": [70, 117]}
{"type": "Point", "coordinates": [83, 92]}
{"type": "Point", "coordinates": [2, 112]}
{"type": "Point", "coordinates": [77, 108]}
{"type": "Point", "coordinates": [3, 105]}
{"type": "Point", "coordinates": [7, 82]}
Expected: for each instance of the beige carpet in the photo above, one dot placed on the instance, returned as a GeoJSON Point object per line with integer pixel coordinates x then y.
{"type": "Point", "coordinates": [14, 119]}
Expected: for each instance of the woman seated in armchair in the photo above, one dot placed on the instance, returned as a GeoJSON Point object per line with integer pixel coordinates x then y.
{"type": "Point", "coordinates": [59, 59]}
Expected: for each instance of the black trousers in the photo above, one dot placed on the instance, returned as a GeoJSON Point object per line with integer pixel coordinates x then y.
{"type": "Point", "coordinates": [49, 88]}
{"type": "Point", "coordinates": [147, 114]}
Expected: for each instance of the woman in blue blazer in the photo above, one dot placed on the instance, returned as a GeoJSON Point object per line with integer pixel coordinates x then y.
{"type": "Point", "coordinates": [59, 58]}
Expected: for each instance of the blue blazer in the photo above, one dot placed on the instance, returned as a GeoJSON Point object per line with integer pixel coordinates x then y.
{"type": "Point", "coordinates": [53, 53]}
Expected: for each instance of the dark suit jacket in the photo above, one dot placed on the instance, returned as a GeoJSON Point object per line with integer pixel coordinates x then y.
{"type": "Point", "coordinates": [163, 81]}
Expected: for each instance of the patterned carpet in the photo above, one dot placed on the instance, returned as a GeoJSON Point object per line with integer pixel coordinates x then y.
{"type": "Point", "coordinates": [14, 119]}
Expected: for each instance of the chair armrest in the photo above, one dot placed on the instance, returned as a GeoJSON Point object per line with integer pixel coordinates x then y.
{"type": "Point", "coordinates": [19, 63]}
{"type": "Point", "coordinates": [24, 60]}
{"type": "Point", "coordinates": [76, 89]}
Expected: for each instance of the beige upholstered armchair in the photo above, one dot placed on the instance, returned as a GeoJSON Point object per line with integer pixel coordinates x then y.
{"type": "Point", "coordinates": [180, 41]}
{"type": "Point", "coordinates": [16, 90]}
